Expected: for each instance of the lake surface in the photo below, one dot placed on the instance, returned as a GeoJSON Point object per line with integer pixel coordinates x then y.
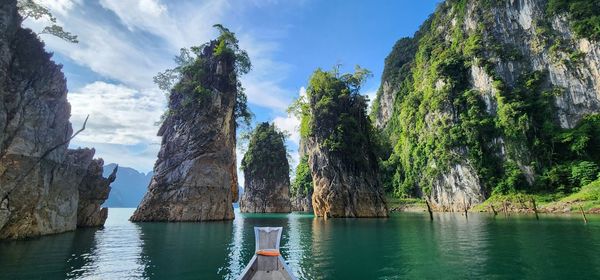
{"type": "Point", "coordinates": [404, 246]}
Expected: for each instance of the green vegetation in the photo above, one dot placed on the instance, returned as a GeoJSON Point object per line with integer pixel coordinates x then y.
{"type": "Point", "coordinates": [335, 114]}
{"type": "Point", "coordinates": [192, 76]}
{"type": "Point", "coordinates": [303, 182]}
{"type": "Point", "coordinates": [31, 9]}
{"type": "Point", "coordinates": [266, 156]}
{"type": "Point", "coordinates": [439, 120]}
{"type": "Point", "coordinates": [398, 203]}
{"type": "Point", "coordinates": [584, 16]}
{"type": "Point", "coordinates": [588, 197]}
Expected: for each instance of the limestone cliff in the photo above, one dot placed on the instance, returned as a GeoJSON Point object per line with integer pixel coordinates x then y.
{"type": "Point", "coordinates": [40, 179]}
{"type": "Point", "coordinates": [93, 191]}
{"type": "Point", "coordinates": [340, 148]}
{"type": "Point", "coordinates": [495, 83]}
{"type": "Point", "coordinates": [195, 173]}
{"type": "Point", "coordinates": [266, 172]}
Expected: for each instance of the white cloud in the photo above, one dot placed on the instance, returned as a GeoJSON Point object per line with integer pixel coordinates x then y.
{"type": "Point", "coordinates": [302, 92]}
{"type": "Point", "coordinates": [129, 51]}
{"type": "Point", "coordinates": [291, 125]}
{"type": "Point", "coordinates": [118, 114]}
{"type": "Point", "coordinates": [59, 6]}
{"type": "Point", "coordinates": [263, 82]}
{"type": "Point", "coordinates": [187, 24]}
{"type": "Point", "coordinates": [266, 94]}
{"type": "Point", "coordinates": [239, 153]}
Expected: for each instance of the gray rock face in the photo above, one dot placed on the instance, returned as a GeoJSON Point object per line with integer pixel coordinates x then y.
{"type": "Point", "coordinates": [517, 24]}
{"type": "Point", "coordinates": [266, 196]}
{"type": "Point", "coordinates": [195, 175]}
{"type": "Point", "coordinates": [457, 190]}
{"type": "Point", "coordinates": [342, 191]}
{"type": "Point", "coordinates": [93, 191]}
{"type": "Point", "coordinates": [40, 180]}
{"type": "Point", "coordinates": [302, 203]}
{"type": "Point", "coordinates": [386, 104]}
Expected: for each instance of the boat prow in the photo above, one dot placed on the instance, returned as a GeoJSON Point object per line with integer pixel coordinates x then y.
{"type": "Point", "coordinates": [267, 263]}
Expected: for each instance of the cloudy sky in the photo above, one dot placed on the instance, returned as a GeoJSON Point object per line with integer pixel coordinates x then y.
{"type": "Point", "coordinates": [124, 43]}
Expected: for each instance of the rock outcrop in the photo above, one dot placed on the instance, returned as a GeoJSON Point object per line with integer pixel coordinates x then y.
{"type": "Point", "coordinates": [302, 203]}
{"type": "Point", "coordinates": [340, 149]}
{"type": "Point", "coordinates": [93, 191]}
{"type": "Point", "coordinates": [509, 56]}
{"type": "Point", "coordinates": [342, 191]}
{"type": "Point", "coordinates": [40, 179]}
{"type": "Point", "coordinates": [266, 172]}
{"type": "Point", "coordinates": [195, 175]}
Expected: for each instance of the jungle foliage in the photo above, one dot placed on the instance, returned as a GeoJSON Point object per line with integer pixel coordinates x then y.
{"type": "Point", "coordinates": [193, 73]}
{"type": "Point", "coordinates": [303, 182]}
{"type": "Point", "coordinates": [439, 120]}
{"type": "Point", "coordinates": [266, 157]}
{"type": "Point", "coordinates": [335, 114]}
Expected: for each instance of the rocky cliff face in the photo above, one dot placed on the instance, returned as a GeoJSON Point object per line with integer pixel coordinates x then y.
{"type": "Point", "coordinates": [342, 191]}
{"type": "Point", "coordinates": [266, 172]}
{"type": "Point", "coordinates": [493, 64]}
{"type": "Point", "coordinates": [302, 203]}
{"type": "Point", "coordinates": [41, 181]}
{"type": "Point", "coordinates": [340, 149]}
{"type": "Point", "coordinates": [93, 191]}
{"type": "Point", "coordinates": [195, 174]}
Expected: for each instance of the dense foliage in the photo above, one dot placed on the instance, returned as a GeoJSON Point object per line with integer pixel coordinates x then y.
{"type": "Point", "coordinates": [335, 113]}
{"type": "Point", "coordinates": [439, 120]}
{"type": "Point", "coordinates": [266, 156]}
{"type": "Point", "coordinates": [583, 14]}
{"type": "Point", "coordinates": [303, 183]}
{"type": "Point", "coordinates": [191, 75]}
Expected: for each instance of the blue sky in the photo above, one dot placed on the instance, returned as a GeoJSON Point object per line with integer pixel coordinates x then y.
{"type": "Point", "coordinates": [124, 43]}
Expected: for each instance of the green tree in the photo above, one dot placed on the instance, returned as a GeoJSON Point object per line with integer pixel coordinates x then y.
{"type": "Point", "coordinates": [29, 9]}
{"type": "Point", "coordinates": [266, 156]}
{"type": "Point", "coordinates": [335, 113]}
{"type": "Point", "coordinates": [189, 63]}
{"type": "Point", "coordinates": [303, 182]}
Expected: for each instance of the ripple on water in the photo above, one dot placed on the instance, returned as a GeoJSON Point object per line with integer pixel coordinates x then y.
{"type": "Point", "coordinates": [404, 246]}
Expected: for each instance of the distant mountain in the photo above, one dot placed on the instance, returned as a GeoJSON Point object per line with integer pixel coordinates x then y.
{"type": "Point", "coordinates": [129, 187]}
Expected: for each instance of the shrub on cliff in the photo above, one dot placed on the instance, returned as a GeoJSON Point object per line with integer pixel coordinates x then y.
{"type": "Point", "coordinates": [303, 182]}
{"type": "Point", "coordinates": [335, 112]}
{"type": "Point", "coordinates": [266, 156]}
{"type": "Point", "coordinates": [190, 77]}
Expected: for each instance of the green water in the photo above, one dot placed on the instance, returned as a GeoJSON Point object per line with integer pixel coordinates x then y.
{"type": "Point", "coordinates": [404, 246]}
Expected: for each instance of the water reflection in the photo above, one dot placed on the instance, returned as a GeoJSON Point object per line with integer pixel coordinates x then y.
{"type": "Point", "coordinates": [298, 245]}
{"type": "Point", "coordinates": [404, 246]}
{"type": "Point", "coordinates": [234, 260]}
{"type": "Point", "coordinates": [116, 251]}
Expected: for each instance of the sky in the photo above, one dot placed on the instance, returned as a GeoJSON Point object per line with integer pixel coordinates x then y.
{"type": "Point", "coordinates": [124, 43]}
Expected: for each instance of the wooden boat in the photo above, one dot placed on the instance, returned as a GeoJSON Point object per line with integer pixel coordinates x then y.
{"type": "Point", "coordinates": [267, 263]}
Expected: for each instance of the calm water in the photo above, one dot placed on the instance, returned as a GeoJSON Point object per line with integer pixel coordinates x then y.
{"type": "Point", "coordinates": [405, 246]}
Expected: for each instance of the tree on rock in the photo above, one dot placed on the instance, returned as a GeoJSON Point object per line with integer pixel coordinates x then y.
{"type": "Point", "coordinates": [195, 176]}
{"type": "Point", "coordinates": [301, 189]}
{"type": "Point", "coordinates": [340, 147]}
{"type": "Point", "coordinates": [266, 172]}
